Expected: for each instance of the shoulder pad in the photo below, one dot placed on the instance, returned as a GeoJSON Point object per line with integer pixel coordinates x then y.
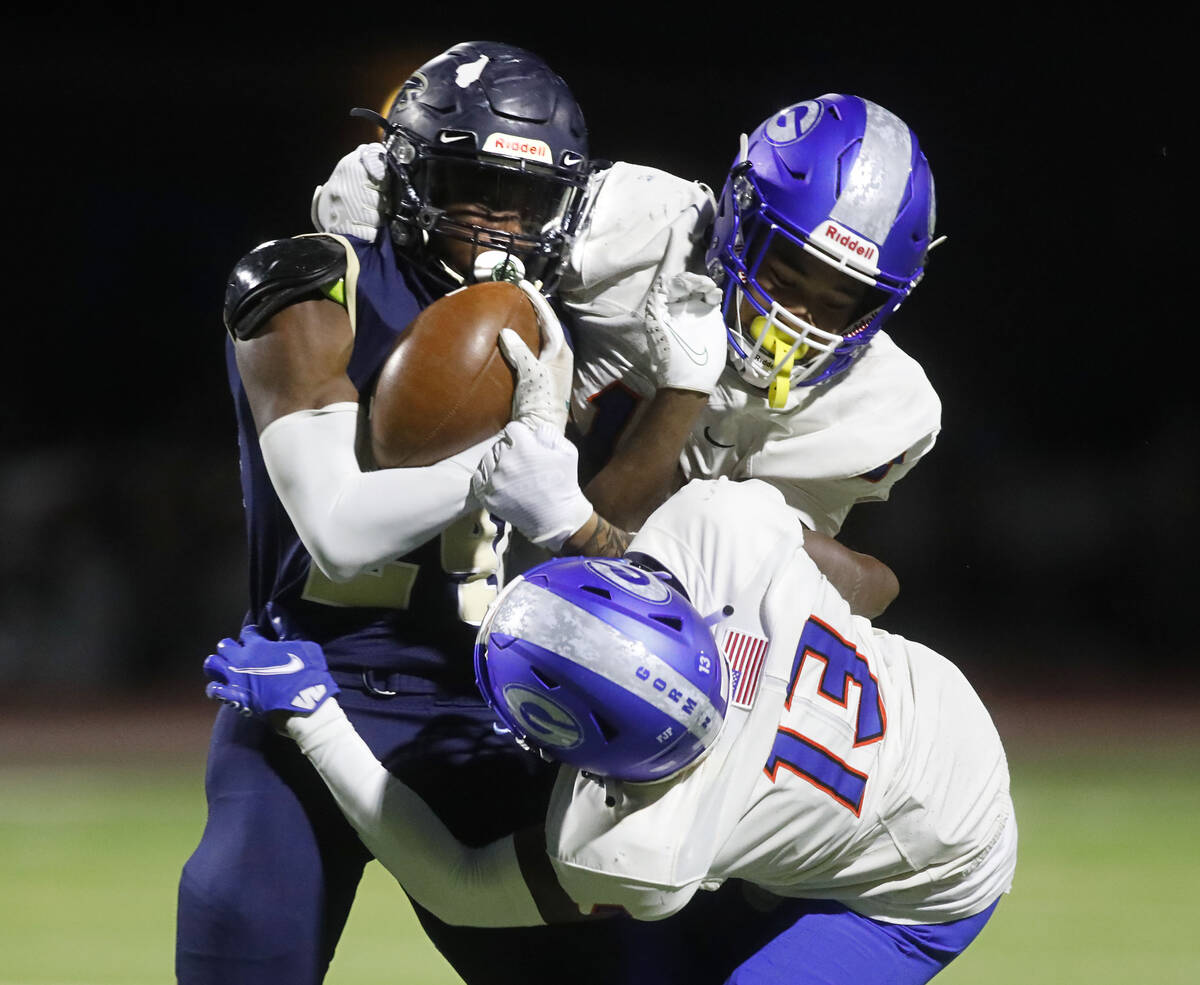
{"type": "Point", "coordinates": [278, 273]}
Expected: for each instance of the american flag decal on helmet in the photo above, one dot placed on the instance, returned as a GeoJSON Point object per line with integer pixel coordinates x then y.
{"type": "Point", "coordinates": [745, 653]}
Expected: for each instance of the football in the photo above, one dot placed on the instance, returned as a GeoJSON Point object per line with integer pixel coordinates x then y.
{"type": "Point", "coordinates": [446, 385]}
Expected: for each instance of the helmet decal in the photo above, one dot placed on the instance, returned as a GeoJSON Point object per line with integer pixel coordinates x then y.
{"type": "Point", "coordinates": [510, 145]}
{"type": "Point", "coordinates": [413, 86]}
{"type": "Point", "coordinates": [838, 239]}
{"type": "Point", "coordinates": [794, 123]}
{"type": "Point", "coordinates": [872, 196]}
{"type": "Point", "coordinates": [469, 73]}
{"type": "Point", "coordinates": [549, 723]}
{"type": "Point", "coordinates": [630, 579]}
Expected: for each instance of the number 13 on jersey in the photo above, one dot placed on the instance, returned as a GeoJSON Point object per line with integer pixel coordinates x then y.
{"type": "Point", "coordinates": [828, 668]}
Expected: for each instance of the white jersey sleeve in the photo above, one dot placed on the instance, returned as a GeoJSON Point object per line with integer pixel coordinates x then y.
{"type": "Point", "coordinates": [464, 886]}
{"type": "Point", "coordinates": [859, 766]}
{"type": "Point", "coordinates": [640, 224]}
{"type": "Point", "coordinates": [832, 446]}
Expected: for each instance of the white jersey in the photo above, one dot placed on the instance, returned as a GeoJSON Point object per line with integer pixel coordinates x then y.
{"type": "Point", "coordinates": [844, 442]}
{"type": "Point", "coordinates": [854, 765]}
{"type": "Point", "coordinates": [831, 446]}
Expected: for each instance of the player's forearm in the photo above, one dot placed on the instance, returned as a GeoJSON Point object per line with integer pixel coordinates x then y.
{"type": "Point", "coordinates": [478, 887]}
{"type": "Point", "coordinates": [350, 520]}
{"type": "Point", "coordinates": [865, 582]}
{"type": "Point", "coordinates": [597, 538]}
{"type": "Point", "coordinates": [644, 471]}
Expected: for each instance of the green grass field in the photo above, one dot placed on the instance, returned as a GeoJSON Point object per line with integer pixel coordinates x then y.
{"type": "Point", "coordinates": [1106, 888]}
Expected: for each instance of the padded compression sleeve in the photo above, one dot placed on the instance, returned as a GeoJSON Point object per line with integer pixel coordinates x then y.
{"type": "Point", "coordinates": [474, 887]}
{"type": "Point", "coordinates": [352, 520]}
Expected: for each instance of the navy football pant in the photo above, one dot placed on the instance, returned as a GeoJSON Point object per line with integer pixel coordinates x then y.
{"type": "Point", "coordinates": [265, 896]}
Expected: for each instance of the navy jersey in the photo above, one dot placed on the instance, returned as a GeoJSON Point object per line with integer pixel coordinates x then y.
{"type": "Point", "coordinates": [408, 615]}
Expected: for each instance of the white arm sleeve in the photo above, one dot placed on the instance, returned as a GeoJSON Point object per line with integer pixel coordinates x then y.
{"type": "Point", "coordinates": [473, 887]}
{"type": "Point", "coordinates": [350, 520]}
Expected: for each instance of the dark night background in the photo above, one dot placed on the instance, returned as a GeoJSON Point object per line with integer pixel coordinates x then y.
{"type": "Point", "coordinates": [1046, 543]}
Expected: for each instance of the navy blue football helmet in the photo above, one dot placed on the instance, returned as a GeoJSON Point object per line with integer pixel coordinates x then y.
{"type": "Point", "coordinates": [602, 665]}
{"type": "Point", "coordinates": [488, 126]}
{"type": "Point", "coordinates": [844, 181]}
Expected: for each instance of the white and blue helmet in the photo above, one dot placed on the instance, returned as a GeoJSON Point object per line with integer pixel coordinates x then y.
{"type": "Point", "coordinates": [844, 180]}
{"type": "Point", "coordinates": [604, 666]}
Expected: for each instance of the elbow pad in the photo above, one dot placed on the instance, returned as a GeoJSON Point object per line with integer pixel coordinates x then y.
{"type": "Point", "coordinates": [279, 273]}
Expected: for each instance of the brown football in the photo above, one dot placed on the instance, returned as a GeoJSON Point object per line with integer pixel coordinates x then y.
{"type": "Point", "coordinates": [446, 385]}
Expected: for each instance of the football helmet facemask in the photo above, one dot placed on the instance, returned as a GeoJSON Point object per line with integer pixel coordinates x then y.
{"type": "Point", "coordinates": [841, 180]}
{"type": "Point", "coordinates": [487, 147]}
{"type": "Point", "coordinates": [604, 666]}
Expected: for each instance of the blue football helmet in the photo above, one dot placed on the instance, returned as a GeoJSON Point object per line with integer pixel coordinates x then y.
{"type": "Point", "coordinates": [602, 665]}
{"type": "Point", "coordinates": [844, 181]}
{"type": "Point", "coordinates": [491, 125]}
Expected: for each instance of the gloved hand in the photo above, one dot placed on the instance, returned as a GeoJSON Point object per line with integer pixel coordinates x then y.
{"type": "Point", "coordinates": [529, 478]}
{"type": "Point", "coordinates": [543, 389]}
{"type": "Point", "coordinates": [353, 202]}
{"type": "Point", "coordinates": [687, 332]}
{"type": "Point", "coordinates": [257, 676]}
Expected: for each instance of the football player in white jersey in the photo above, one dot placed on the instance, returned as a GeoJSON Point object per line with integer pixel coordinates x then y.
{"type": "Point", "coordinates": [719, 714]}
{"type": "Point", "coordinates": [822, 230]}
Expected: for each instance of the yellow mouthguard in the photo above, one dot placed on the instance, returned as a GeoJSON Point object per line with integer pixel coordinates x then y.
{"type": "Point", "coordinates": [777, 346]}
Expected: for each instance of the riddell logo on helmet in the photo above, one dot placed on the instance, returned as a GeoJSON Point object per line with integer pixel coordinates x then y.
{"type": "Point", "coordinates": [838, 239]}
{"type": "Point", "coordinates": [526, 147]}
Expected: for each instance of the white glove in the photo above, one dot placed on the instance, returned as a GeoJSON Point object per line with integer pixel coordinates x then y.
{"type": "Point", "coordinates": [353, 201]}
{"type": "Point", "coordinates": [687, 332]}
{"type": "Point", "coordinates": [543, 387]}
{"type": "Point", "coordinates": [530, 478]}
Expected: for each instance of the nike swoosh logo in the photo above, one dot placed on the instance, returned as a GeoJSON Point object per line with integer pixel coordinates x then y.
{"type": "Point", "coordinates": [293, 664]}
{"type": "Point", "coordinates": [714, 441]}
{"type": "Point", "coordinates": [570, 159]}
{"type": "Point", "coordinates": [453, 138]}
{"type": "Point", "coordinates": [698, 356]}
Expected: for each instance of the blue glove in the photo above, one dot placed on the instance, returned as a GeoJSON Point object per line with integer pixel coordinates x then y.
{"type": "Point", "coordinates": [257, 676]}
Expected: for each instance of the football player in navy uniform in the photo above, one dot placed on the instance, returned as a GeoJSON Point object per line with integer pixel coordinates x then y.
{"type": "Point", "coordinates": [388, 570]}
